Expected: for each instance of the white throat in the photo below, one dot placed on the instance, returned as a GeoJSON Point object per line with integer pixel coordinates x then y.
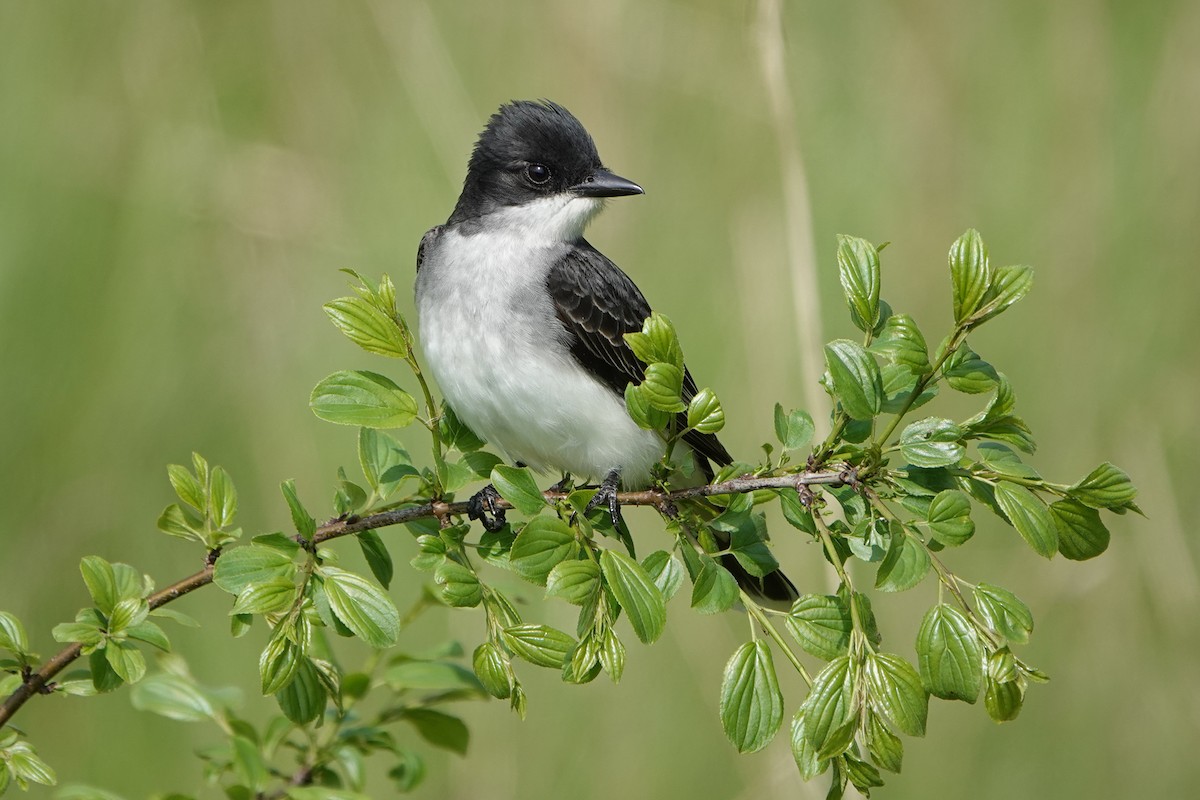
{"type": "Point", "coordinates": [547, 220]}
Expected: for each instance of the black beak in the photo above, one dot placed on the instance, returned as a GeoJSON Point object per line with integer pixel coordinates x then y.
{"type": "Point", "coordinates": [603, 183]}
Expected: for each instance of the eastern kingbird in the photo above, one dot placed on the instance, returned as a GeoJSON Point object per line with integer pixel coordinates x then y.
{"type": "Point", "coordinates": [523, 322]}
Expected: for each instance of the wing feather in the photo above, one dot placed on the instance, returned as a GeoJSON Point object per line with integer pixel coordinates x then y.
{"type": "Point", "coordinates": [598, 304]}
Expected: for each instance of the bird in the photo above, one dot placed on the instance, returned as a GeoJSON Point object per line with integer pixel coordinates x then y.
{"type": "Point", "coordinates": [522, 320]}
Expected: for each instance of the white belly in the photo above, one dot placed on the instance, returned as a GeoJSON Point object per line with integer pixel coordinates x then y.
{"type": "Point", "coordinates": [497, 350]}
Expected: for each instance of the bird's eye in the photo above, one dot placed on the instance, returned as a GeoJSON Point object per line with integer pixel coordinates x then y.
{"type": "Point", "coordinates": [537, 174]}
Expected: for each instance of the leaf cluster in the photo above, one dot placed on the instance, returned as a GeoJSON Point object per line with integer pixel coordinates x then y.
{"type": "Point", "coordinates": [886, 496]}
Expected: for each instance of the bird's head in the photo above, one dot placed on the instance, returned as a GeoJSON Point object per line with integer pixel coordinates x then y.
{"type": "Point", "coordinates": [536, 167]}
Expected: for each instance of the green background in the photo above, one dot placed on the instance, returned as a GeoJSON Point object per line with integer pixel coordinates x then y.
{"type": "Point", "coordinates": [179, 183]}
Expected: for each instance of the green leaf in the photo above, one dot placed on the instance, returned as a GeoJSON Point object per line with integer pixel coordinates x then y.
{"type": "Point", "coordinates": [538, 644]}
{"type": "Point", "coordinates": [494, 670]}
{"type": "Point", "coordinates": [949, 655]}
{"type": "Point", "coordinates": [932, 442]}
{"type": "Point", "coordinates": [150, 633]}
{"type": "Point", "coordinates": [458, 474]}
{"type": "Point", "coordinates": [377, 556]}
{"type": "Point", "coordinates": [748, 542]}
{"type": "Point", "coordinates": [385, 464]}
{"type": "Point", "coordinates": [573, 581]}
{"type": "Point", "coordinates": [901, 342]}
{"type": "Point", "coordinates": [858, 267]}
{"type": "Point", "coordinates": [970, 274]}
{"type": "Point", "coordinates": [828, 712]}
{"type": "Point", "coordinates": [12, 634]}
{"type": "Point", "coordinates": [86, 633]}
{"type": "Point", "coordinates": [304, 523]}
{"type": "Point", "coordinates": [662, 386]}
{"type": "Point", "coordinates": [517, 486]}
{"type": "Point", "coordinates": [248, 764]}
{"type": "Point", "coordinates": [1029, 515]}
{"type": "Point", "coordinates": [349, 498]}
{"type": "Point", "coordinates": [751, 703]}
{"type": "Point", "coordinates": [704, 412]}
{"type": "Point", "coordinates": [361, 606]}
{"type": "Point", "coordinates": [1001, 460]}
{"type": "Point", "coordinates": [821, 624]}
{"type": "Point", "coordinates": [176, 616]}
{"type": "Point", "coordinates": [666, 572]}
{"type": "Point", "coordinates": [481, 463]}
{"type": "Point", "coordinates": [440, 729]}
{"type": "Point", "coordinates": [795, 513]}
{"type": "Point", "coordinates": [104, 678]}
{"type": "Point", "coordinates": [1008, 285]}
{"type": "Point", "coordinates": [1004, 612]}
{"type": "Point", "coordinates": [949, 517]}
{"type": "Point", "coordinates": [657, 342]}
{"type": "Point", "coordinates": [303, 699]}
{"type": "Point", "coordinates": [637, 594]}
{"type": "Point", "coordinates": [857, 382]}
{"type": "Point", "coordinates": [803, 752]}
{"type": "Point", "coordinates": [125, 659]}
{"type": "Point", "coordinates": [1003, 700]}
{"type": "Point", "coordinates": [242, 566]}
{"type": "Point", "coordinates": [268, 597]}
{"type": "Point", "coordinates": [460, 586]}
{"type": "Point", "coordinates": [26, 767]}
{"type": "Point", "coordinates": [1107, 486]}
{"type": "Point", "coordinates": [101, 582]}
{"type": "Point", "coordinates": [897, 693]}
{"type": "Point", "coordinates": [794, 429]}
{"type": "Point", "coordinates": [1081, 534]}
{"type": "Point", "coordinates": [612, 655]}
{"type": "Point", "coordinates": [441, 675]}
{"type": "Point", "coordinates": [885, 747]}
{"type": "Point", "coordinates": [131, 584]}
{"type": "Point", "coordinates": [367, 326]}
{"type": "Point", "coordinates": [362, 398]}
{"type": "Point", "coordinates": [174, 521]}
{"type": "Point", "coordinates": [905, 565]}
{"type": "Point", "coordinates": [173, 696]}
{"type": "Point", "coordinates": [541, 544]}
{"type": "Point", "coordinates": [278, 662]}
{"type": "Point", "coordinates": [413, 771]}
{"type": "Point", "coordinates": [582, 664]}
{"type": "Point", "coordinates": [457, 433]}
{"type": "Point", "coordinates": [637, 404]}
{"type": "Point", "coordinates": [862, 774]}
{"type": "Point", "coordinates": [714, 589]}
{"type": "Point", "coordinates": [222, 498]}
{"type": "Point", "coordinates": [966, 372]}
{"type": "Point", "coordinates": [189, 490]}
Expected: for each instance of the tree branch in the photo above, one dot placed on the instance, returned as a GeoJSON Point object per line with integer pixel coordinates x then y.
{"type": "Point", "coordinates": [40, 682]}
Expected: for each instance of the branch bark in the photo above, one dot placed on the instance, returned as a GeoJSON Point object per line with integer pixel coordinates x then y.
{"type": "Point", "coordinates": [40, 681]}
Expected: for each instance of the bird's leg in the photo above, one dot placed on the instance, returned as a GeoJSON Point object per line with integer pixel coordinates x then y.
{"type": "Point", "coordinates": [562, 485]}
{"type": "Point", "coordinates": [483, 503]}
{"type": "Point", "coordinates": [607, 494]}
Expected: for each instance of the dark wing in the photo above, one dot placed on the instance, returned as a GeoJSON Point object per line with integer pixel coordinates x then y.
{"type": "Point", "coordinates": [598, 304]}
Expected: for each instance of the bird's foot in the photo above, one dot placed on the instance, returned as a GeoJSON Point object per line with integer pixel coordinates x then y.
{"type": "Point", "coordinates": [482, 504]}
{"type": "Point", "coordinates": [607, 495]}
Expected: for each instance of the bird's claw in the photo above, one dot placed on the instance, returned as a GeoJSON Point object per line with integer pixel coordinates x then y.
{"type": "Point", "coordinates": [607, 494]}
{"type": "Point", "coordinates": [482, 504]}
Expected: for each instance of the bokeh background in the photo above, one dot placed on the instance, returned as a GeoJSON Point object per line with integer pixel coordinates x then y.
{"type": "Point", "coordinates": [180, 181]}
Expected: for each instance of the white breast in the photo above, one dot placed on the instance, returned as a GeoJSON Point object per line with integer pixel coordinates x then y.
{"type": "Point", "coordinates": [498, 352]}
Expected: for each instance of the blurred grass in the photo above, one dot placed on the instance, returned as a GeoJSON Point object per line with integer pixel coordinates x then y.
{"type": "Point", "coordinates": [180, 181]}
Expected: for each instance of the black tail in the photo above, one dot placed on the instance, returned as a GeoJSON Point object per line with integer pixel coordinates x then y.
{"type": "Point", "coordinates": [774, 588]}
